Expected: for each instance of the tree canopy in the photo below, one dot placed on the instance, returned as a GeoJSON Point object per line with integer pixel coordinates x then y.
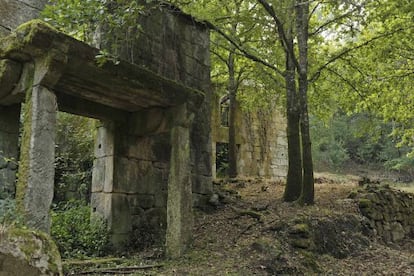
{"type": "Point", "coordinates": [318, 56]}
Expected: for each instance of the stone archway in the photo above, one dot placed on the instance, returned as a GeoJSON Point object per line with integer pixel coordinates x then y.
{"type": "Point", "coordinates": [140, 111]}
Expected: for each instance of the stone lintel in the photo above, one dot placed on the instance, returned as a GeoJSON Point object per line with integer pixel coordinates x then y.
{"type": "Point", "coordinates": [124, 86]}
{"type": "Point", "coordinates": [85, 108]}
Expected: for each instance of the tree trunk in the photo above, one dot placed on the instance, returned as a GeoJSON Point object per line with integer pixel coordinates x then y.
{"type": "Point", "coordinates": [302, 12]}
{"type": "Point", "coordinates": [293, 188]}
{"type": "Point", "coordinates": [232, 170]}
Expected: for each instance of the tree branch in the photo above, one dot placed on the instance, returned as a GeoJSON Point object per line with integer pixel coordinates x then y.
{"type": "Point", "coordinates": [246, 53]}
{"type": "Point", "coordinates": [327, 23]}
{"type": "Point", "coordinates": [287, 44]}
{"type": "Point", "coordinates": [348, 82]}
{"type": "Point", "coordinates": [347, 51]}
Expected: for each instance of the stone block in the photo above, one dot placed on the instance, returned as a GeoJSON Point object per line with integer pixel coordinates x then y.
{"type": "Point", "coordinates": [143, 201]}
{"type": "Point", "coordinates": [98, 175]}
{"type": "Point", "coordinates": [104, 143]}
{"type": "Point", "coordinates": [157, 218]}
{"type": "Point", "coordinates": [202, 184]}
{"type": "Point", "coordinates": [102, 204]}
{"type": "Point", "coordinates": [137, 176]}
{"type": "Point", "coordinates": [26, 252]}
{"type": "Point", "coordinates": [161, 199]}
{"type": "Point", "coordinates": [120, 214]}
{"type": "Point", "coordinates": [200, 200]}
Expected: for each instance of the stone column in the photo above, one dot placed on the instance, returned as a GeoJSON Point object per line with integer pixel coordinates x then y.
{"type": "Point", "coordinates": [108, 200]}
{"type": "Point", "coordinates": [34, 191]}
{"type": "Point", "coordinates": [9, 136]}
{"type": "Point", "coordinates": [179, 203]}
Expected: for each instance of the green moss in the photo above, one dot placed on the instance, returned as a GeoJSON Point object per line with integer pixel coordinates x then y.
{"type": "Point", "coordinates": [300, 229]}
{"type": "Point", "coordinates": [23, 172]}
{"type": "Point", "coordinates": [29, 245]}
{"type": "Point", "coordinates": [24, 35]}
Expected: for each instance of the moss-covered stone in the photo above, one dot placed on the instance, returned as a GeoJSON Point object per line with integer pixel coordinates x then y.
{"type": "Point", "coordinates": [23, 172]}
{"type": "Point", "coordinates": [29, 251]}
{"type": "Point", "coordinates": [301, 229]}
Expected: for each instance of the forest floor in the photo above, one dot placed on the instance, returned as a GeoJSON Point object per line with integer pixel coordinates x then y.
{"type": "Point", "coordinates": [248, 234]}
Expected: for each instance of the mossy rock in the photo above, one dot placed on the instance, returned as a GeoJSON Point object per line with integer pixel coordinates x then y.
{"type": "Point", "coordinates": [301, 230]}
{"type": "Point", "coordinates": [28, 252]}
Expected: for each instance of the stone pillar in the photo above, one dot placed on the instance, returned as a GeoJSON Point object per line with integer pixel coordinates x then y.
{"type": "Point", "coordinates": [179, 202]}
{"type": "Point", "coordinates": [9, 136]}
{"type": "Point", "coordinates": [34, 191]}
{"type": "Point", "coordinates": [107, 199]}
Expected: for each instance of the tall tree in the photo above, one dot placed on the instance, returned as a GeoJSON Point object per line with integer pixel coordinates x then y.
{"type": "Point", "coordinates": [304, 30]}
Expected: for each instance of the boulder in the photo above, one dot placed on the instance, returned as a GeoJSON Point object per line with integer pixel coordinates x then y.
{"type": "Point", "coordinates": [28, 252]}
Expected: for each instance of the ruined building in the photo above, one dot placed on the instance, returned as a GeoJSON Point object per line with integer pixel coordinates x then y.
{"type": "Point", "coordinates": [153, 151]}
{"type": "Point", "coordinates": [260, 137]}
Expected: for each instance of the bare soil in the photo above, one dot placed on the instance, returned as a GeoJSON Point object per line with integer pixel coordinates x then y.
{"type": "Point", "coordinates": [246, 235]}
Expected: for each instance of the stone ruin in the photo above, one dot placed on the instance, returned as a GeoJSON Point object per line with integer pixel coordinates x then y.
{"type": "Point", "coordinates": [390, 212]}
{"type": "Point", "coordinates": [152, 153]}
{"type": "Point", "coordinates": [260, 137]}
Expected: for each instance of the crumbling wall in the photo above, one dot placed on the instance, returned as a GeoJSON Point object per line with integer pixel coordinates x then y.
{"type": "Point", "coordinates": [261, 139]}
{"type": "Point", "coordinates": [390, 212]}
{"type": "Point", "coordinates": [263, 152]}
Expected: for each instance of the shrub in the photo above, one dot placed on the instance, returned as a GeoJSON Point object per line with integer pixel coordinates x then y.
{"type": "Point", "coordinates": [78, 233]}
{"type": "Point", "coordinates": [8, 213]}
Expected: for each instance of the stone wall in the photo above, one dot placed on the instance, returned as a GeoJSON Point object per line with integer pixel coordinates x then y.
{"type": "Point", "coordinates": [15, 12]}
{"type": "Point", "coordinates": [261, 139]}
{"type": "Point", "coordinates": [130, 186]}
{"type": "Point", "coordinates": [390, 212]}
{"type": "Point", "coordinates": [176, 46]}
